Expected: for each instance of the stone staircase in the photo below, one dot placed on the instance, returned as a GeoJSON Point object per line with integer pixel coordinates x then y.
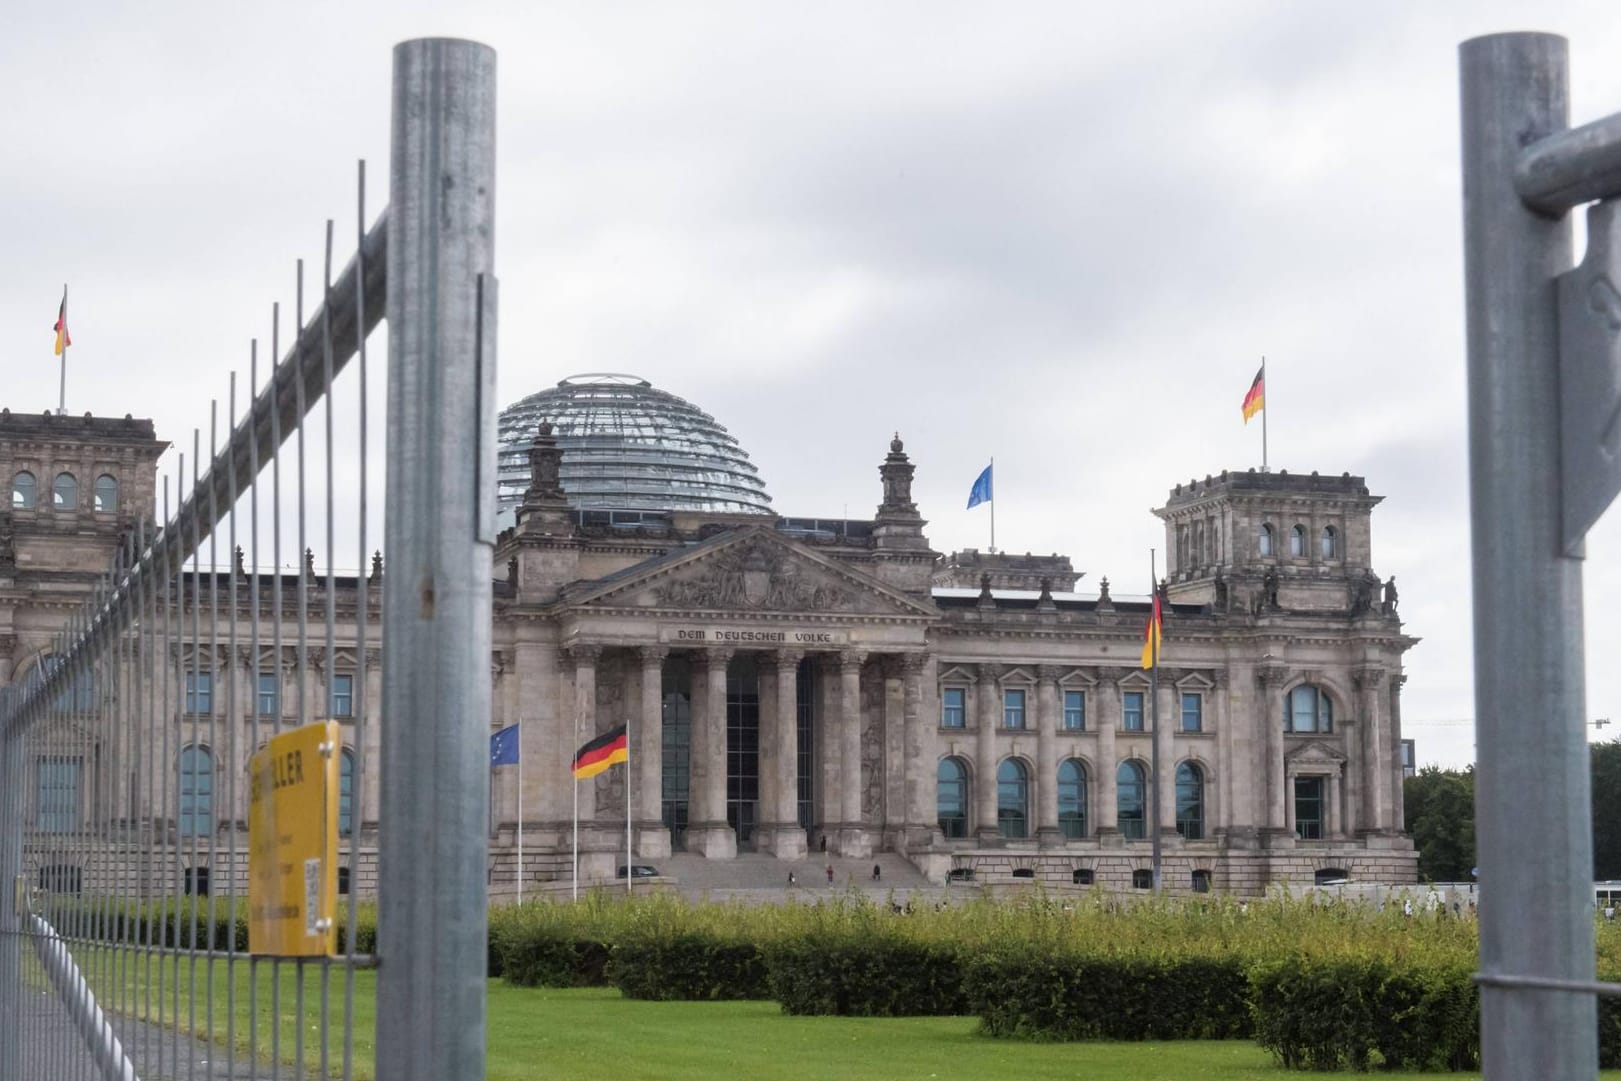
{"type": "Point", "coordinates": [762, 878]}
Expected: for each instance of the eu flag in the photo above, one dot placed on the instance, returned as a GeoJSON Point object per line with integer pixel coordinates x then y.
{"type": "Point", "coordinates": [981, 491]}
{"type": "Point", "coordinates": [504, 747]}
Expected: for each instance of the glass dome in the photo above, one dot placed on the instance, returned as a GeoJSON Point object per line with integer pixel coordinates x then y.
{"type": "Point", "coordinates": [629, 446]}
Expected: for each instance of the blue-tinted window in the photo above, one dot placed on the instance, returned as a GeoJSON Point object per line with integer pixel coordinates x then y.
{"type": "Point", "coordinates": [1190, 801]}
{"type": "Point", "coordinates": [1307, 709]}
{"type": "Point", "coordinates": [1131, 708]}
{"type": "Point", "coordinates": [199, 692]}
{"type": "Point", "coordinates": [346, 790]}
{"type": "Point", "coordinates": [953, 713]}
{"type": "Point", "coordinates": [196, 792]}
{"type": "Point", "coordinates": [1072, 799]}
{"type": "Point", "coordinates": [269, 694]}
{"type": "Point", "coordinates": [58, 808]}
{"type": "Point", "coordinates": [343, 696]}
{"type": "Point", "coordinates": [24, 491]}
{"type": "Point", "coordinates": [1131, 802]}
{"type": "Point", "coordinates": [1012, 709]}
{"type": "Point", "coordinates": [1193, 713]}
{"type": "Point", "coordinates": [1012, 799]}
{"type": "Point", "coordinates": [1074, 710]}
{"type": "Point", "coordinates": [951, 797]}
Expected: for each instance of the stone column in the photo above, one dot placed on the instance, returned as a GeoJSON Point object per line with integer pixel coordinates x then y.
{"type": "Point", "coordinates": [919, 758]}
{"type": "Point", "coordinates": [585, 718]}
{"type": "Point", "coordinates": [987, 717]}
{"type": "Point", "coordinates": [1219, 817]}
{"type": "Point", "coordinates": [1376, 799]}
{"type": "Point", "coordinates": [1106, 799]}
{"type": "Point", "coordinates": [1280, 802]}
{"type": "Point", "coordinates": [1047, 712]}
{"type": "Point", "coordinates": [1170, 719]}
{"type": "Point", "coordinates": [892, 737]}
{"type": "Point", "coordinates": [647, 755]}
{"type": "Point", "coordinates": [708, 832]}
{"type": "Point", "coordinates": [779, 832]}
{"type": "Point", "coordinates": [853, 839]}
{"type": "Point", "coordinates": [1289, 822]}
{"type": "Point", "coordinates": [1398, 803]}
{"type": "Point", "coordinates": [1331, 813]}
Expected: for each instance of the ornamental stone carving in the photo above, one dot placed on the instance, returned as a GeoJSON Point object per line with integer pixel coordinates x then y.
{"type": "Point", "coordinates": [1271, 676]}
{"type": "Point", "coordinates": [753, 576]}
{"type": "Point", "coordinates": [1368, 679]}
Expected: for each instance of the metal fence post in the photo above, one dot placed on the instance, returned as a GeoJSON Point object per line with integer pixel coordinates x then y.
{"type": "Point", "coordinates": [439, 532]}
{"type": "Point", "coordinates": [11, 836]}
{"type": "Point", "coordinates": [1532, 801]}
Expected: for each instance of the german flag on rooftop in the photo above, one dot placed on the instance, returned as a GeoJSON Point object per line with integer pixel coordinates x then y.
{"type": "Point", "coordinates": [608, 749]}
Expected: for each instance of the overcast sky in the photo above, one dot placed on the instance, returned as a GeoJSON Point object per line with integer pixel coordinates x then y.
{"type": "Point", "coordinates": [1059, 234]}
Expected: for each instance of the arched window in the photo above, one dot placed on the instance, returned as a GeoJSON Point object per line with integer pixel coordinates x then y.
{"type": "Point", "coordinates": [346, 793]}
{"type": "Point", "coordinates": [24, 491]}
{"type": "Point", "coordinates": [1266, 540]}
{"type": "Point", "coordinates": [951, 797]}
{"type": "Point", "coordinates": [66, 492]}
{"type": "Point", "coordinates": [1072, 799]}
{"type": "Point", "coordinates": [106, 494]}
{"type": "Point", "coordinates": [1307, 709]}
{"type": "Point", "coordinates": [196, 792]}
{"type": "Point", "coordinates": [1190, 801]}
{"type": "Point", "coordinates": [1331, 543]}
{"type": "Point", "coordinates": [1297, 542]}
{"type": "Point", "coordinates": [1142, 879]}
{"type": "Point", "coordinates": [78, 694]}
{"type": "Point", "coordinates": [1012, 799]}
{"type": "Point", "coordinates": [1201, 880]}
{"type": "Point", "coordinates": [1130, 801]}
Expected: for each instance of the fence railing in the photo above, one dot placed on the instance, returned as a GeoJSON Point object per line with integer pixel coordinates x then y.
{"type": "Point", "coordinates": [152, 662]}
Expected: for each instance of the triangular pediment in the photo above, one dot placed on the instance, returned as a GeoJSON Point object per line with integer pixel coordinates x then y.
{"type": "Point", "coordinates": [752, 570]}
{"type": "Point", "coordinates": [1315, 754]}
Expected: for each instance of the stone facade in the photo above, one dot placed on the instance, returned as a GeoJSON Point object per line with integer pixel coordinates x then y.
{"type": "Point", "coordinates": [790, 690]}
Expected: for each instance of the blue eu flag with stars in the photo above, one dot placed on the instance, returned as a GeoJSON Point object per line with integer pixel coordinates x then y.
{"type": "Point", "coordinates": [504, 747]}
{"type": "Point", "coordinates": [981, 491]}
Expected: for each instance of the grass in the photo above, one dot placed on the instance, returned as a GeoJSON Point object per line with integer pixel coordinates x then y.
{"type": "Point", "coordinates": [593, 1034]}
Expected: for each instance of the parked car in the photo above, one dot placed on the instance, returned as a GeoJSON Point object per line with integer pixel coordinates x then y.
{"type": "Point", "coordinates": [638, 870]}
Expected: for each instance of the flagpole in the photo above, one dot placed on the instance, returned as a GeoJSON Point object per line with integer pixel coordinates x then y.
{"type": "Point", "coordinates": [62, 392]}
{"type": "Point", "coordinates": [575, 889]}
{"type": "Point", "coordinates": [992, 502]}
{"type": "Point", "coordinates": [1264, 412]}
{"type": "Point", "coordinates": [520, 812]}
{"type": "Point", "coordinates": [1153, 696]}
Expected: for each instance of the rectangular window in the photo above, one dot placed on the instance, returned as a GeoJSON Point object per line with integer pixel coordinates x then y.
{"type": "Point", "coordinates": [953, 713]}
{"type": "Point", "coordinates": [1131, 708]}
{"type": "Point", "coordinates": [1193, 713]}
{"type": "Point", "coordinates": [1074, 710]}
{"type": "Point", "coordinates": [58, 795]}
{"type": "Point", "coordinates": [1012, 709]}
{"type": "Point", "coordinates": [269, 694]}
{"type": "Point", "coordinates": [199, 692]}
{"type": "Point", "coordinates": [1309, 808]}
{"type": "Point", "coordinates": [343, 697]}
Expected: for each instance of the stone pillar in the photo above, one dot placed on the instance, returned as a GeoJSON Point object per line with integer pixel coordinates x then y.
{"type": "Point", "coordinates": [779, 832]}
{"type": "Point", "coordinates": [1376, 798]}
{"type": "Point", "coordinates": [1280, 799]}
{"type": "Point", "coordinates": [1047, 713]}
{"type": "Point", "coordinates": [1398, 802]}
{"type": "Point", "coordinates": [708, 831]}
{"type": "Point", "coordinates": [987, 717]}
{"type": "Point", "coordinates": [920, 758]}
{"type": "Point", "coordinates": [853, 837]}
{"type": "Point", "coordinates": [1106, 812]}
{"type": "Point", "coordinates": [1331, 813]}
{"type": "Point", "coordinates": [1170, 719]}
{"type": "Point", "coordinates": [371, 754]}
{"type": "Point", "coordinates": [647, 755]}
{"type": "Point", "coordinates": [585, 724]}
{"type": "Point", "coordinates": [1217, 818]}
{"type": "Point", "coordinates": [892, 735]}
{"type": "Point", "coordinates": [1289, 803]}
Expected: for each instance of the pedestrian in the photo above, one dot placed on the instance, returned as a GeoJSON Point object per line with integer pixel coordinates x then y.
{"type": "Point", "coordinates": [830, 874]}
{"type": "Point", "coordinates": [877, 872]}
{"type": "Point", "coordinates": [1407, 907]}
{"type": "Point", "coordinates": [790, 879]}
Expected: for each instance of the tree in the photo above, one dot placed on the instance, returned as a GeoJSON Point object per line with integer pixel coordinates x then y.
{"type": "Point", "coordinates": [1440, 806]}
{"type": "Point", "coordinates": [1606, 780]}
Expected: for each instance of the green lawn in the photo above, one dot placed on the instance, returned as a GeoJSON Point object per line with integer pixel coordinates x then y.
{"type": "Point", "coordinates": [596, 1035]}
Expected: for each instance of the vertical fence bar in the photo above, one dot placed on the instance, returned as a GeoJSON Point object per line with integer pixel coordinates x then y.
{"type": "Point", "coordinates": [11, 836]}
{"type": "Point", "coordinates": [1532, 800]}
{"type": "Point", "coordinates": [439, 531]}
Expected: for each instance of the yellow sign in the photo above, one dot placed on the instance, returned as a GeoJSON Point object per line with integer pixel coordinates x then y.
{"type": "Point", "coordinates": [293, 843]}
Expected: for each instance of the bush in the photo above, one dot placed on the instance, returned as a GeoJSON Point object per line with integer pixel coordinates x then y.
{"type": "Point", "coordinates": [691, 965]}
{"type": "Point", "coordinates": [1358, 1013]}
{"type": "Point", "coordinates": [540, 945]}
{"type": "Point", "coordinates": [866, 975]}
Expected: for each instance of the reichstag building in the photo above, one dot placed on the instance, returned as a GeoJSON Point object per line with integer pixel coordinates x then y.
{"type": "Point", "coordinates": [794, 686]}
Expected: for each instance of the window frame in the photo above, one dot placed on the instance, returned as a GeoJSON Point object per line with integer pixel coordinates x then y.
{"type": "Point", "coordinates": [200, 690]}
{"type": "Point", "coordinates": [1297, 542]}
{"type": "Point", "coordinates": [959, 829]}
{"type": "Point", "coordinates": [346, 793]}
{"type": "Point", "coordinates": [1074, 711]}
{"type": "Point", "coordinates": [1322, 712]}
{"type": "Point", "coordinates": [1139, 817]}
{"type": "Point", "coordinates": [17, 494]}
{"type": "Point", "coordinates": [1012, 712]}
{"type": "Point", "coordinates": [1265, 541]}
{"type": "Point", "coordinates": [1013, 814]}
{"type": "Point", "coordinates": [1072, 800]}
{"type": "Point", "coordinates": [109, 504]}
{"type": "Point", "coordinates": [1197, 699]}
{"type": "Point", "coordinates": [1318, 830]}
{"type": "Point", "coordinates": [187, 789]}
{"type": "Point", "coordinates": [335, 697]}
{"type": "Point", "coordinates": [959, 710]}
{"type": "Point", "coordinates": [62, 810]}
{"type": "Point", "coordinates": [65, 497]}
{"type": "Point", "coordinates": [1190, 797]}
{"type": "Point", "coordinates": [1127, 712]}
{"type": "Point", "coordinates": [1329, 543]}
{"type": "Point", "coordinates": [274, 694]}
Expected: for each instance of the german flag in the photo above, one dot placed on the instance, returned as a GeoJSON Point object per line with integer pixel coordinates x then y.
{"type": "Point", "coordinates": [1255, 399]}
{"type": "Point", "coordinates": [608, 749]}
{"type": "Point", "coordinates": [1151, 635]}
{"type": "Point", "coordinates": [62, 339]}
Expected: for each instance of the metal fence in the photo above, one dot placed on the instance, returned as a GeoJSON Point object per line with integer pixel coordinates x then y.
{"type": "Point", "coordinates": [154, 660]}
